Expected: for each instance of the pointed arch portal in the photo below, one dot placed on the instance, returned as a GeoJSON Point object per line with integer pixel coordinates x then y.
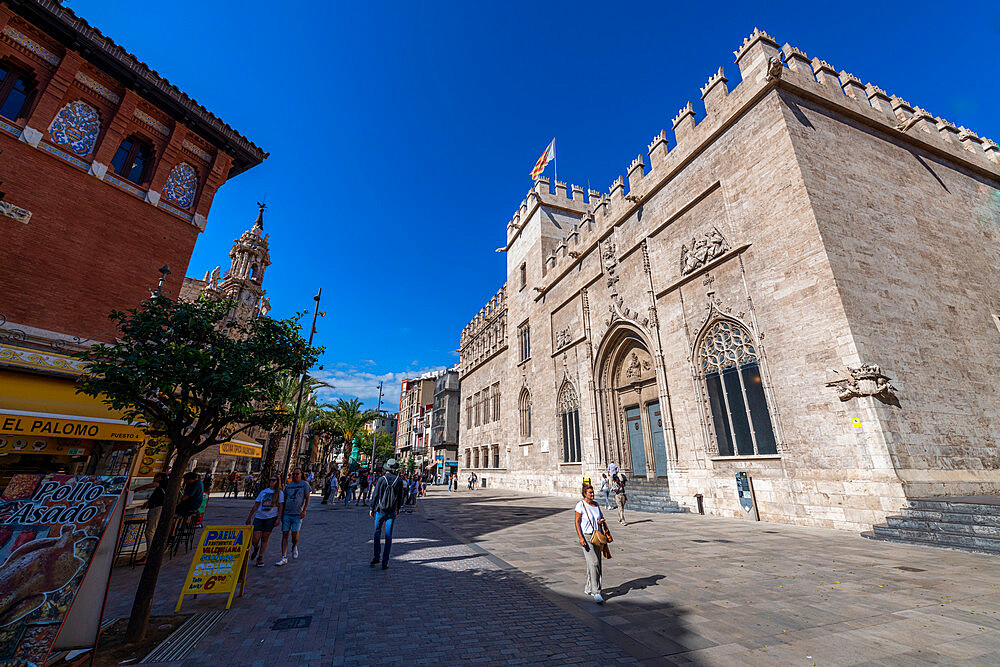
{"type": "Point", "coordinates": [633, 425]}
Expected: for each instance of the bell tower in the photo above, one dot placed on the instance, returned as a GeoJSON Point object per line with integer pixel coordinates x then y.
{"type": "Point", "coordinates": [243, 283]}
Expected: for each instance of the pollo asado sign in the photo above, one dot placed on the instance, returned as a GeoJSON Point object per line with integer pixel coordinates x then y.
{"type": "Point", "coordinates": [219, 563]}
{"type": "Point", "coordinates": [50, 529]}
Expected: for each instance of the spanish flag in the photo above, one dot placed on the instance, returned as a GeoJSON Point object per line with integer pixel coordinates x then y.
{"type": "Point", "coordinates": [547, 156]}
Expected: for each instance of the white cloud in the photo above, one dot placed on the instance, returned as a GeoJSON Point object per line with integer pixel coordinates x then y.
{"type": "Point", "coordinates": [352, 382]}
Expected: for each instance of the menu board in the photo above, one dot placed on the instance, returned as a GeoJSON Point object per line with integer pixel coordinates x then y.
{"type": "Point", "coordinates": [219, 563]}
{"type": "Point", "coordinates": [50, 529]}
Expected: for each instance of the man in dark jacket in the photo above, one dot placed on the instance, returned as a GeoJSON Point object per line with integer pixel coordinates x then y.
{"type": "Point", "coordinates": [386, 501]}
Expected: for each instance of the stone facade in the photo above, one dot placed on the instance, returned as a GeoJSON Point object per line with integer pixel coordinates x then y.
{"type": "Point", "coordinates": [803, 288]}
{"type": "Point", "coordinates": [413, 428]}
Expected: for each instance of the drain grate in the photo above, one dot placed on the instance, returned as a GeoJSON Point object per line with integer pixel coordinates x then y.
{"type": "Point", "coordinates": [183, 639]}
{"type": "Point", "coordinates": [907, 568]}
{"type": "Point", "coordinates": [292, 623]}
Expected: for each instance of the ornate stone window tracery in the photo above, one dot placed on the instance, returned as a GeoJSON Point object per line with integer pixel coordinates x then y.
{"type": "Point", "coordinates": [568, 405]}
{"type": "Point", "coordinates": [728, 363]}
{"type": "Point", "coordinates": [524, 413]}
{"type": "Point", "coordinates": [76, 126]}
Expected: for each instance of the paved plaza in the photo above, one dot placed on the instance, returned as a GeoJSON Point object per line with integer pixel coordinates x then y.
{"type": "Point", "coordinates": [495, 577]}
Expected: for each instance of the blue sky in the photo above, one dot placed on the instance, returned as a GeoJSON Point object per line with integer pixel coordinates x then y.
{"type": "Point", "coordinates": [402, 134]}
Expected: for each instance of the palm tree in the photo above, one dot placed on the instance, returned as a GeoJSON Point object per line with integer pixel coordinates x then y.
{"type": "Point", "coordinates": [286, 400]}
{"type": "Point", "coordinates": [347, 418]}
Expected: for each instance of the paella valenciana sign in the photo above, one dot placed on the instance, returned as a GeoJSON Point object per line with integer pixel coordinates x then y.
{"type": "Point", "coordinates": [220, 562]}
{"type": "Point", "coordinates": [57, 535]}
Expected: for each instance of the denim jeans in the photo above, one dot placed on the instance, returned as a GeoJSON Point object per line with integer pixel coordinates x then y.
{"type": "Point", "coordinates": [348, 496]}
{"type": "Point", "coordinates": [383, 519]}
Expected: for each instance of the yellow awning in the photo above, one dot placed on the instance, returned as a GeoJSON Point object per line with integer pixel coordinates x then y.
{"type": "Point", "coordinates": [37, 405]}
{"type": "Point", "coordinates": [242, 448]}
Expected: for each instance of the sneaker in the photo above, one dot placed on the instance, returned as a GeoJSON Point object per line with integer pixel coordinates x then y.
{"type": "Point", "coordinates": [283, 561]}
{"type": "Point", "coordinates": [295, 552]}
{"type": "Point", "coordinates": [385, 566]}
{"type": "Point", "coordinates": [624, 523]}
{"type": "Point", "coordinates": [598, 599]}
{"type": "Point", "coordinates": [260, 562]}
{"type": "Point", "coordinates": [374, 562]}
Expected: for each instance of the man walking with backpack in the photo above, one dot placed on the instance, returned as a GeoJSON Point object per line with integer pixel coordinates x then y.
{"type": "Point", "coordinates": [386, 501]}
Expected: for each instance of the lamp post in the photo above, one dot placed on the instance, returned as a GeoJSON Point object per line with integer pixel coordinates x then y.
{"type": "Point", "coordinates": [164, 272]}
{"type": "Point", "coordinates": [371, 462]}
{"type": "Point", "coordinates": [302, 383]}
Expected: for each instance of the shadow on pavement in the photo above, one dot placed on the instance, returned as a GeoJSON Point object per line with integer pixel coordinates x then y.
{"type": "Point", "coordinates": [635, 585]}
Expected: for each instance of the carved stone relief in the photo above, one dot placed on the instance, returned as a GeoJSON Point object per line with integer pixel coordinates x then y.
{"type": "Point", "coordinates": [702, 250]}
{"type": "Point", "coordinates": [14, 212]}
{"type": "Point", "coordinates": [563, 338]}
{"type": "Point", "coordinates": [865, 380]}
{"type": "Point", "coordinates": [610, 259]}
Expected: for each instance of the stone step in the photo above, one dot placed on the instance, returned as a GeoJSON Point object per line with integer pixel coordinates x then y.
{"type": "Point", "coordinates": [955, 507]}
{"type": "Point", "coordinates": [951, 517]}
{"type": "Point", "coordinates": [959, 528]}
{"type": "Point", "coordinates": [936, 538]}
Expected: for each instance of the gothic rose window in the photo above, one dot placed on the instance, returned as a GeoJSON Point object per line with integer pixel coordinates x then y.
{"type": "Point", "coordinates": [181, 185]}
{"type": "Point", "coordinates": [569, 416]}
{"type": "Point", "coordinates": [728, 360]}
{"type": "Point", "coordinates": [524, 412]}
{"type": "Point", "coordinates": [76, 126]}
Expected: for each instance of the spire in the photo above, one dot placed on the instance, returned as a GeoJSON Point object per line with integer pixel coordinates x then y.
{"type": "Point", "coordinates": [258, 224]}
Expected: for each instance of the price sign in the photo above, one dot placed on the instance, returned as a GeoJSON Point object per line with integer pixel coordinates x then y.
{"type": "Point", "coordinates": [220, 562]}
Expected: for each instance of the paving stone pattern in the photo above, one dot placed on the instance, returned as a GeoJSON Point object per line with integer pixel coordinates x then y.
{"type": "Point", "coordinates": [690, 589]}
{"type": "Point", "coordinates": [441, 601]}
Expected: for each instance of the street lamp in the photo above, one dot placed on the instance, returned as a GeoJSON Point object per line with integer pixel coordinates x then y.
{"type": "Point", "coordinates": [371, 462]}
{"type": "Point", "coordinates": [302, 383]}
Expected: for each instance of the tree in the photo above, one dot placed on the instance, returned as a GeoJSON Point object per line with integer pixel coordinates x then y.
{"type": "Point", "coordinates": [285, 401]}
{"type": "Point", "coordinates": [348, 418]}
{"type": "Point", "coordinates": [385, 447]}
{"type": "Point", "coordinates": [187, 373]}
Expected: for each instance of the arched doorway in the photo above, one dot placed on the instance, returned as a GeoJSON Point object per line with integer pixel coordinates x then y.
{"type": "Point", "coordinates": [633, 423]}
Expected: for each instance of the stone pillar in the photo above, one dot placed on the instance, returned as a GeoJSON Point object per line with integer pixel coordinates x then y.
{"type": "Point", "coordinates": [114, 134]}
{"type": "Point", "coordinates": [166, 163]}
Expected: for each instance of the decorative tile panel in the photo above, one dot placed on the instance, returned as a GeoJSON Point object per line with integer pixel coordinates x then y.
{"type": "Point", "coordinates": [182, 183]}
{"type": "Point", "coordinates": [15, 212]}
{"type": "Point", "coordinates": [195, 150]}
{"type": "Point", "coordinates": [124, 185]}
{"type": "Point", "coordinates": [22, 357]}
{"type": "Point", "coordinates": [31, 45]}
{"type": "Point", "coordinates": [176, 211]}
{"type": "Point", "coordinates": [64, 156]}
{"type": "Point", "coordinates": [97, 87]}
{"type": "Point", "coordinates": [76, 125]}
{"type": "Point", "coordinates": [13, 129]}
{"type": "Point", "coordinates": [152, 122]}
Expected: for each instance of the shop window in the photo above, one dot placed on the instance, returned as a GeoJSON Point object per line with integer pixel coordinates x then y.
{"type": "Point", "coordinates": [569, 417]}
{"type": "Point", "coordinates": [736, 398]}
{"type": "Point", "coordinates": [132, 160]}
{"type": "Point", "coordinates": [15, 87]}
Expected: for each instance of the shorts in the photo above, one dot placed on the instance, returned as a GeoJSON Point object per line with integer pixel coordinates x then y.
{"type": "Point", "coordinates": [290, 522]}
{"type": "Point", "coordinates": [264, 525]}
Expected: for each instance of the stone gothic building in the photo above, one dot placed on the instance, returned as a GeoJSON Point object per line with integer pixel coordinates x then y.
{"type": "Point", "coordinates": [805, 288]}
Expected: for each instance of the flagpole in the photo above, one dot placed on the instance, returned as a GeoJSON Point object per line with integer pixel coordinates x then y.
{"type": "Point", "coordinates": [555, 165]}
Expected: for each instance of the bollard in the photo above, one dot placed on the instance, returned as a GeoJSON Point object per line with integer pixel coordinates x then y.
{"type": "Point", "coordinates": [700, 499]}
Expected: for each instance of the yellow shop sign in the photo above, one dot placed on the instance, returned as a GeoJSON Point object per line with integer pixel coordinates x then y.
{"type": "Point", "coordinates": [57, 426]}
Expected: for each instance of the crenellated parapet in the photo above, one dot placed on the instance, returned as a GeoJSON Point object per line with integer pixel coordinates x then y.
{"type": "Point", "coordinates": [761, 64]}
{"type": "Point", "coordinates": [486, 334]}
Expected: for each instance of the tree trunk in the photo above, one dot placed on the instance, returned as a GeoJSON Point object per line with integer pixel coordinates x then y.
{"type": "Point", "coordinates": [143, 602]}
{"type": "Point", "coordinates": [267, 467]}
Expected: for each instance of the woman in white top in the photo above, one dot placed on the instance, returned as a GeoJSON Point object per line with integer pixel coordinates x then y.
{"type": "Point", "coordinates": [266, 512]}
{"type": "Point", "coordinates": [588, 519]}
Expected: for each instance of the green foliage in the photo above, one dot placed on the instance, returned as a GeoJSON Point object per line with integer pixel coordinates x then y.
{"type": "Point", "coordinates": [185, 372]}
{"type": "Point", "coordinates": [385, 446]}
{"type": "Point", "coordinates": [347, 418]}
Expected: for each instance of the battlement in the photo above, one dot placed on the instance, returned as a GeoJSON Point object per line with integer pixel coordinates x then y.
{"type": "Point", "coordinates": [761, 63]}
{"type": "Point", "coordinates": [496, 305]}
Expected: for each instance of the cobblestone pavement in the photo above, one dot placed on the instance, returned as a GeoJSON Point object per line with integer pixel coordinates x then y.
{"type": "Point", "coordinates": [689, 589]}
{"type": "Point", "coordinates": [441, 601]}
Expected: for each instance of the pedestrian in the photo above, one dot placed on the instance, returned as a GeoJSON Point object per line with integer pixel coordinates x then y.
{"type": "Point", "coordinates": [589, 519]}
{"type": "Point", "coordinates": [606, 491]}
{"type": "Point", "coordinates": [387, 498]}
{"type": "Point", "coordinates": [266, 512]}
{"type": "Point", "coordinates": [207, 482]}
{"type": "Point", "coordinates": [231, 481]}
{"type": "Point", "coordinates": [363, 487]}
{"type": "Point", "coordinates": [192, 495]}
{"type": "Point", "coordinates": [328, 487]}
{"type": "Point", "coordinates": [349, 491]}
{"type": "Point", "coordinates": [296, 501]}
{"type": "Point", "coordinates": [344, 484]}
{"type": "Point", "coordinates": [311, 477]}
{"type": "Point", "coordinates": [618, 486]}
{"type": "Point", "coordinates": [612, 469]}
{"type": "Point", "coordinates": [154, 505]}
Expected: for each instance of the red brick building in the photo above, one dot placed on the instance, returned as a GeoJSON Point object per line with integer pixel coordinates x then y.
{"type": "Point", "coordinates": [113, 167]}
{"type": "Point", "coordinates": [107, 173]}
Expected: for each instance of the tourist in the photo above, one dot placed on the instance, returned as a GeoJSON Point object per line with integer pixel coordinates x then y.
{"type": "Point", "coordinates": [266, 512]}
{"type": "Point", "coordinates": [296, 501]}
{"type": "Point", "coordinates": [192, 495]}
{"type": "Point", "coordinates": [352, 486]}
{"type": "Point", "coordinates": [363, 487]}
{"type": "Point", "coordinates": [207, 482]}
{"type": "Point", "coordinates": [606, 491]}
{"type": "Point", "coordinates": [328, 487]}
{"type": "Point", "coordinates": [248, 488]}
{"type": "Point", "coordinates": [345, 484]}
{"type": "Point", "coordinates": [589, 519]}
{"type": "Point", "coordinates": [612, 469]}
{"type": "Point", "coordinates": [618, 486]}
{"type": "Point", "coordinates": [386, 501]}
{"type": "Point", "coordinates": [231, 483]}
